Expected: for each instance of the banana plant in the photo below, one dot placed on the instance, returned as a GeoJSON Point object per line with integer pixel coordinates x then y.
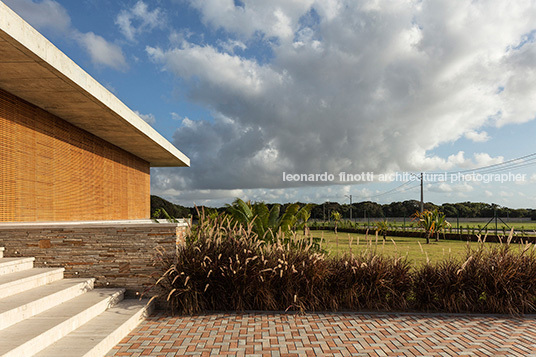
{"type": "Point", "coordinates": [267, 222]}
{"type": "Point", "coordinates": [303, 216]}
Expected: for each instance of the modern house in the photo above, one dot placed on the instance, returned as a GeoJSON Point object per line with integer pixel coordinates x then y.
{"type": "Point", "coordinates": [69, 149]}
{"type": "Point", "coordinates": [74, 201]}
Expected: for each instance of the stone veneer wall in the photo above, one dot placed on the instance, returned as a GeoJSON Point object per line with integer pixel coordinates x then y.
{"type": "Point", "coordinates": [117, 254]}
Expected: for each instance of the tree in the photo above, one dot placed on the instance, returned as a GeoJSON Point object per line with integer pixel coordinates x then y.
{"type": "Point", "coordinates": [432, 222]}
{"type": "Point", "coordinates": [382, 227]}
{"type": "Point", "coordinates": [336, 217]}
{"type": "Point", "coordinates": [440, 223]}
{"type": "Point", "coordinates": [173, 210]}
{"type": "Point", "coordinates": [425, 220]}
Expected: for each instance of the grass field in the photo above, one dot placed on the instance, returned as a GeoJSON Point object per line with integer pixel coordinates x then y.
{"type": "Point", "coordinates": [491, 226]}
{"type": "Point", "coordinates": [528, 228]}
{"type": "Point", "coordinates": [415, 249]}
{"type": "Point", "coordinates": [517, 225]}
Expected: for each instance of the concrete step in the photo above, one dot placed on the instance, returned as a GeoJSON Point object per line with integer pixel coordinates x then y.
{"type": "Point", "coordinates": [102, 333]}
{"type": "Point", "coordinates": [12, 265]}
{"type": "Point", "coordinates": [26, 304]}
{"type": "Point", "coordinates": [14, 283]}
{"type": "Point", "coordinates": [34, 334]}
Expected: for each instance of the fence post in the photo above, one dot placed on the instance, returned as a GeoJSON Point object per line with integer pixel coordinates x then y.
{"type": "Point", "coordinates": [495, 211]}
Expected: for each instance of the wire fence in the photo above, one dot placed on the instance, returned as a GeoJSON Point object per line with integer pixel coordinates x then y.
{"type": "Point", "coordinates": [499, 226]}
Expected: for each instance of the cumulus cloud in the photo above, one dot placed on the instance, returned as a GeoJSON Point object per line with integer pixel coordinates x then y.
{"type": "Point", "coordinates": [275, 18]}
{"type": "Point", "coordinates": [483, 159]}
{"type": "Point", "coordinates": [148, 118]}
{"type": "Point", "coordinates": [221, 71]}
{"type": "Point", "coordinates": [101, 51]}
{"type": "Point", "coordinates": [349, 86]}
{"type": "Point", "coordinates": [445, 187]}
{"type": "Point", "coordinates": [219, 197]}
{"type": "Point", "coordinates": [138, 19]}
{"type": "Point", "coordinates": [231, 45]}
{"type": "Point", "coordinates": [176, 116]}
{"type": "Point", "coordinates": [44, 14]}
{"type": "Point", "coordinates": [477, 137]}
{"type": "Point", "coordinates": [504, 194]}
{"type": "Point", "coordinates": [49, 14]}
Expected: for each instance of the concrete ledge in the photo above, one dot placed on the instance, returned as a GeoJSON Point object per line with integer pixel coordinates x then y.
{"type": "Point", "coordinates": [90, 224]}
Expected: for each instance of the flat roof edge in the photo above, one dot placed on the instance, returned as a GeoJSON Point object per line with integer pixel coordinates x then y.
{"type": "Point", "coordinates": [42, 49]}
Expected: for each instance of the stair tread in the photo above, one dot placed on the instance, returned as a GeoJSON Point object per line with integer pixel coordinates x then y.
{"type": "Point", "coordinates": [127, 315]}
{"type": "Point", "coordinates": [35, 326]}
{"type": "Point", "coordinates": [11, 302]}
{"type": "Point", "coordinates": [16, 277]}
{"type": "Point", "coordinates": [11, 265]}
{"type": "Point", "coordinates": [13, 261]}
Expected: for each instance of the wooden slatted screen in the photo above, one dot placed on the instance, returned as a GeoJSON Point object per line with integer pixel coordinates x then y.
{"type": "Point", "coordinates": [51, 170]}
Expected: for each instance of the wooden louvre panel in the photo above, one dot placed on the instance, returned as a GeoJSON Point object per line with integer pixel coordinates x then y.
{"type": "Point", "coordinates": [51, 170]}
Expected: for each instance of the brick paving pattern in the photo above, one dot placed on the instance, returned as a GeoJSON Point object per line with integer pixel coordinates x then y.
{"type": "Point", "coordinates": [330, 334]}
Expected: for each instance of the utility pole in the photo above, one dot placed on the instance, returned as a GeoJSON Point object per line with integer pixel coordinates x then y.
{"type": "Point", "coordinates": [422, 189]}
{"type": "Point", "coordinates": [350, 197]}
{"type": "Point", "coordinates": [422, 195]}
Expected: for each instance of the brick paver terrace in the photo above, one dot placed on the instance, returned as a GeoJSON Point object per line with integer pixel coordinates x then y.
{"type": "Point", "coordinates": [330, 334]}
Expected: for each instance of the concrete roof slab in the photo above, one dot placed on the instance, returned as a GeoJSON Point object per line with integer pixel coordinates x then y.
{"type": "Point", "coordinates": [33, 69]}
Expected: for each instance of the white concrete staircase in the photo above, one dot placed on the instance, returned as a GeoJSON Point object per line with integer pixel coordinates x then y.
{"type": "Point", "coordinates": [42, 314]}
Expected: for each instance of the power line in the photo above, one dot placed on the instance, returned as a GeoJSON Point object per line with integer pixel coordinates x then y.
{"type": "Point", "coordinates": [512, 164]}
{"type": "Point", "coordinates": [410, 188]}
{"type": "Point", "coordinates": [509, 162]}
{"type": "Point", "coordinates": [390, 191]}
{"type": "Point", "coordinates": [510, 167]}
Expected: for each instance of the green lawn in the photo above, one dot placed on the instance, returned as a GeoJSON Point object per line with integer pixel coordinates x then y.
{"type": "Point", "coordinates": [402, 246]}
{"type": "Point", "coordinates": [530, 226]}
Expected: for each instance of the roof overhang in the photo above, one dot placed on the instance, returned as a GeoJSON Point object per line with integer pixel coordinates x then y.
{"type": "Point", "coordinates": [32, 68]}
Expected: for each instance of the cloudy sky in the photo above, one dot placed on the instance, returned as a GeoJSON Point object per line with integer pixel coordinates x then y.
{"type": "Point", "coordinates": [251, 90]}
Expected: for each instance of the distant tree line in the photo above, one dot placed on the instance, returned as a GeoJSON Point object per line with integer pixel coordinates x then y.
{"type": "Point", "coordinates": [176, 211]}
{"type": "Point", "coordinates": [408, 208]}
{"type": "Point", "coordinates": [371, 209]}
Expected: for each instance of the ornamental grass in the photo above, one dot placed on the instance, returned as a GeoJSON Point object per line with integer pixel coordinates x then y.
{"type": "Point", "coordinates": [224, 266]}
